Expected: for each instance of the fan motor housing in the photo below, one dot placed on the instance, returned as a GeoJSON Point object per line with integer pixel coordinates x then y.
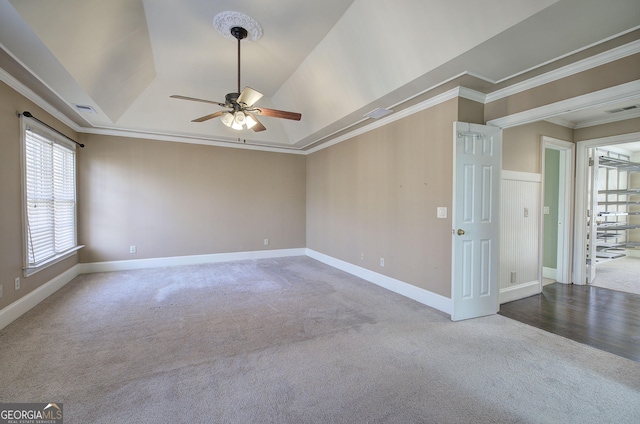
{"type": "Point", "coordinates": [232, 100]}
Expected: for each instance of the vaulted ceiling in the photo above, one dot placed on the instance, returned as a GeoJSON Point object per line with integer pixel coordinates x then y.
{"type": "Point", "coordinates": [331, 60]}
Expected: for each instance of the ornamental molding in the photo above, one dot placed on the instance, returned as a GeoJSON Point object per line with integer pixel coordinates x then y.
{"type": "Point", "coordinates": [224, 21]}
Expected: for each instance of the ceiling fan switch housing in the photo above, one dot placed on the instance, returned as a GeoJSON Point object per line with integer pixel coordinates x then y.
{"type": "Point", "coordinates": [239, 33]}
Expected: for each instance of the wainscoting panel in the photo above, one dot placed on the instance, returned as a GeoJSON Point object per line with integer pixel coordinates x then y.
{"type": "Point", "coordinates": [519, 235]}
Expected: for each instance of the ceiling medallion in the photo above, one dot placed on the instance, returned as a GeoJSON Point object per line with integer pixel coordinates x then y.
{"type": "Point", "coordinates": [224, 21]}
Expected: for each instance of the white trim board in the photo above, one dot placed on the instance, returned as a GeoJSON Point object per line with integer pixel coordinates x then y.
{"type": "Point", "coordinates": [608, 95]}
{"type": "Point", "coordinates": [461, 92]}
{"type": "Point", "coordinates": [581, 183]}
{"type": "Point", "coordinates": [632, 253]}
{"type": "Point", "coordinates": [519, 292]}
{"type": "Point", "coordinates": [16, 309]}
{"type": "Point", "coordinates": [521, 176]}
{"type": "Point", "coordinates": [216, 142]}
{"type": "Point", "coordinates": [93, 267]}
{"type": "Point", "coordinates": [423, 296]}
{"type": "Point", "coordinates": [33, 97]}
{"type": "Point", "coordinates": [554, 75]}
{"type": "Point", "coordinates": [549, 272]}
{"type": "Point", "coordinates": [565, 71]}
{"type": "Point", "coordinates": [21, 306]}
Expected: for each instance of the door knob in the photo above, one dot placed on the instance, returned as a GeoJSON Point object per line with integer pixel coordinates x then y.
{"type": "Point", "coordinates": [460, 232]}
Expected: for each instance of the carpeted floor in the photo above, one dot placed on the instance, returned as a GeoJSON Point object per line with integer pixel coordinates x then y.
{"type": "Point", "coordinates": [294, 341]}
{"type": "Point", "coordinates": [619, 274]}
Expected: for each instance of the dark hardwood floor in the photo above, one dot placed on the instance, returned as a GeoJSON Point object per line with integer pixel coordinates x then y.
{"type": "Point", "coordinates": [601, 318]}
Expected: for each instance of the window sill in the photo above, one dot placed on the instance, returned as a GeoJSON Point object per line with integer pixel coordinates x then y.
{"type": "Point", "coordinates": [28, 271]}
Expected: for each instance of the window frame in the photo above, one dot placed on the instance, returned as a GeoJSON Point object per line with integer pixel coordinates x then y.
{"type": "Point", "coordinates": [42, 131]}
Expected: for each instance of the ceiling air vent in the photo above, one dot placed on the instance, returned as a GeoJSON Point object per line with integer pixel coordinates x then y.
{"type": "Point", "coordinates": [84, 108]}
{"type": "Point", "coordinates": [623, 109]}
{"type": "Point", "coordinates": [378, 113]}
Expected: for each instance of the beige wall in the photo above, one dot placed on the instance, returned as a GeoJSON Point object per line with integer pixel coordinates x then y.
{"type": "Point", "coordinates": [376, 196]}
{"type": "Point", "coordinates": [11, 203]}
{"type": "Point", "coordinates": [607, 130]}
{"type": "Point", "coordinates": [175, 199]}
{"type": "Point", "coordinates": [521, 145]}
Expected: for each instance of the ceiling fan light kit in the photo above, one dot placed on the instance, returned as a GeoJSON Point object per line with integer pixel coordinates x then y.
{"type": "Point", "coordinates": [241, 113]}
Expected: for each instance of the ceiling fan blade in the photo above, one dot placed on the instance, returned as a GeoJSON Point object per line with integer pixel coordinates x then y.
{"type": "Point", "coordinates": [207, 117]}
{"type": "Point", "coordinates": [258, 126]}
{"type": "Point", "coordinates": [249, 96]}
{"type": "Point", "coordinates": [193, 99]}
{"type": "Point", "coordinates": [278, 113]}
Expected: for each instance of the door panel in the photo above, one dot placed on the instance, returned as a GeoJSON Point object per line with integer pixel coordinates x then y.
{"type": "Point", "coordinates": [477, 166]}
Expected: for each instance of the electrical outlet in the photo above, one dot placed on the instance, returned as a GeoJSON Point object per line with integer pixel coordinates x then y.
{"type": "Point", "coordinates": [362, 256]}
{"type": "Point", "coordinates": [1, 291]}
{"type": "Point", "coordinates": [381, 261]}
{"type": "Point", "coordinates": [17, 283]}
{"type": "Point", "coordinates": [513, 277]}
{"type": "Point", "coordinates": [526, 212]}
{"type": "Point", "coordinates": [133, 249]}
{"type": "Point", "coordinates": [266, 242]}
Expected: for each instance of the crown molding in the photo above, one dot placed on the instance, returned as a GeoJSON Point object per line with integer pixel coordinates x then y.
{"type": "Point", "coordinates": [608, 119]}
{"type": "Point", "coordinates": [463, 92]}
{"type": "Point", "coordinates": [614, 94]}
{"type": "Point", "coordinates": [562, 122]}
{"type": "Point", "coordinates": [566, 71]}
{"type": "Point", "coordinates": [542, 113]}
{"type": "Point", "coordinates": [219, 142]}
{"type": "Point", "coordinates": [610, 140]}
{"type": "Point", "coordinates": [39, 101]}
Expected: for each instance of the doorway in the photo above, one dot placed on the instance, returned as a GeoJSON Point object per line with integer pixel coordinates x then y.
{"type": "Point", "coordinates": [557, 211]}
{"type": "Point", "coordinates": [613, 220]}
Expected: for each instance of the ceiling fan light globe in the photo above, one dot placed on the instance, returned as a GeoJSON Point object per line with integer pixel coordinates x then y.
{"type": "Point", "coordinates": [240, 118]}
{"type": "Point", "coordinates": [250, 122]}
{"type": "Point", "coordinates": [236, 126]}
{"type": "Point", "coordinates": [227, 119]}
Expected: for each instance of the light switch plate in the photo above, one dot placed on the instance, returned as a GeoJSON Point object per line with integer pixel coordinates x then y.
{"type": "Point", "coordinates": [442, 212]}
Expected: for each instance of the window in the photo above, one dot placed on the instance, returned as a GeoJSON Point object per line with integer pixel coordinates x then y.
{"type": "Point", "coordinates": [49, 187]}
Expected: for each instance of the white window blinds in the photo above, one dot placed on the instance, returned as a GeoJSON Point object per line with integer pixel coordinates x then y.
{"type": "Point", "coordinates": [50, 197]}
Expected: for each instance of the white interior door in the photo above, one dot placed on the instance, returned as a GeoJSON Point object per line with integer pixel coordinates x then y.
{"type": "Point", "coordinates": [476, 231]}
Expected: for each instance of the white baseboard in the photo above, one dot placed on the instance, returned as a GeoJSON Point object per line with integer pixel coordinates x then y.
{"type": "Point", "coordinates": [632, 253]}
{"type": "Point", "coordinates": [423, 296]}
{"type": "Point", "coordinates": [550, 273]}
{"type": "Point", "coordinates": [519, 292]}
{"type": "Point", "coordinates": [93, 267]}
{"type": "Point", "coordinates": [25, 303]}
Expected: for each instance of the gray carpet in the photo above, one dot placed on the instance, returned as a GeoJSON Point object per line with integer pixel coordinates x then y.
{"type": "Point", "coordinates": [294, 341]}
{"type": "Point", "coordinates": [619, 274]}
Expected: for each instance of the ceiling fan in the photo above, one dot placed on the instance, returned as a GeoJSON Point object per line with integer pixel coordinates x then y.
{"type": "Point", "coordinates": [241, 111]}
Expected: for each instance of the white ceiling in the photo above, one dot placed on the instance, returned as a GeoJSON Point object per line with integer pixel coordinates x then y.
{"type": "Point", "coordinates": [331, 60]}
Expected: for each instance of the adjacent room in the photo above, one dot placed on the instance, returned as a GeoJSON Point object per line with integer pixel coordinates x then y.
{"type": "Point", "coordinates": [247, 211]}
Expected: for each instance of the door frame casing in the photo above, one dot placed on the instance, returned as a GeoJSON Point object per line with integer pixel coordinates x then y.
{"type": "Point", "coordinates": [581, 199]}
{"type": "Point", "coordinates": [565, 209]}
